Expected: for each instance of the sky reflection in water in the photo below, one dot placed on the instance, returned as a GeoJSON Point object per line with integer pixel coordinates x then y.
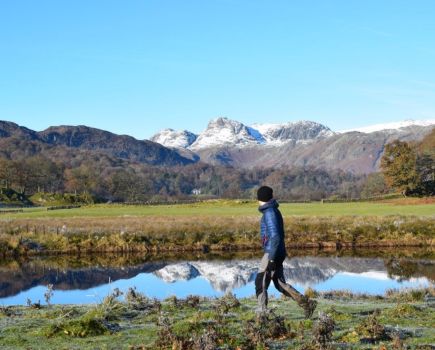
{"type": "Point", "coordinates": [372, 282]}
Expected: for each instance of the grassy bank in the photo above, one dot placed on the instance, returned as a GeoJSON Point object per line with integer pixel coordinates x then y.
{"type": "Point", "coordinates": [178, 233]}
{"type": "Point", "coordinates": [116, 260]}
{"type": "Point", "coordinates": [214, 225]}
{"type": "Point", "coordinates": [130, 320]}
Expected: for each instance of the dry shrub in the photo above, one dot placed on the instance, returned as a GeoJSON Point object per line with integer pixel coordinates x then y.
{"type": "Point", "coordinates": [157, 305]}
{"type": "Point", "coordinates": [311, 293]}
{"type": "Point", "coordinates": [410, 293]}
{"type": "Point", "coordinates": [322, 330]}
{"type": "Point", "coordinates": [225, 304]}
{"type": "Point", "coordinates": [267, 325]}
{"type": "Point", "coordinates": [165, 335]}
{"type": "Point", "coordinates": [397, 341]}
{"type": "Point", "coordinates": [138, 300]}
{"type": "Point", "coordinates": [371, 327]}
{"type": "Point", "coordinates": [342, 293]}
{"type": "Point", "coordinates": [207, 341]}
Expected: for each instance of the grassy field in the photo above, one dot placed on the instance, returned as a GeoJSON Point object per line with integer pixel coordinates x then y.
{"type": "Point", "coordinates": [130, 320]}
{"type": "Point", "coordinates": [216, 224]}
{"type": "Point", "coordinates": [237, 207]}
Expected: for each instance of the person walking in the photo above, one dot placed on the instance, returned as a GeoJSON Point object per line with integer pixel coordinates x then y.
{"type": "Point", "coordinates": [271, 265]}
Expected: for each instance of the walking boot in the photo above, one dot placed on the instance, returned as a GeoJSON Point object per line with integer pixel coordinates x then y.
{"type": "Point", "coordinates": [262, 300]}
{"type": "Point", "coordinates": [309, 308]}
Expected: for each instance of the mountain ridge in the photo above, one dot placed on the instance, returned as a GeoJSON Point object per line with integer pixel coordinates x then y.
{"type": "Point", "coordinates": [223, 132]}
{"type": "Point", "coordinates": [224, 142]}
{"type": "Point", "coordinates": [302, 143]}
{"type": "Point", "coordinates": [82, 137]}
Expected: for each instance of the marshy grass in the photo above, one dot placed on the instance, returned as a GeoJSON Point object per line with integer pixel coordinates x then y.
{"type": "Point", "coordinates": [115, 322]}
{"type": "Point", "coordinates": [197, 233]}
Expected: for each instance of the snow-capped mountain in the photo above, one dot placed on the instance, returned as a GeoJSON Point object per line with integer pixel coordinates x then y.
{"type": "Point", "coordinates": [176, 139]}
{"type": "Point", "coordinates": [223, 276]}
{"type": "Point", "coordinates": [224, 132]}
{"type": "Point", "coordinates": [281, 133]}
{"type": "Point", "coordinates": [226, 276]}
{"type": "Point", "coordinates": [392, 126]}
{"type": "Point", "coordinates": [295, 144]}
{"type": "Point", "coordinates": [177, 272]}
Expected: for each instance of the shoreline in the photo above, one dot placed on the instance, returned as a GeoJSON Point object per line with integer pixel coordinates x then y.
{"type": "Point", "coordinates": [219, 248]}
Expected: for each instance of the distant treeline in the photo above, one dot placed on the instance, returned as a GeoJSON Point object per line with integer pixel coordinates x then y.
{"type": "Point", "coordinates": [140, 182]}
{"type": "Point", "coordinates": [119, 180]}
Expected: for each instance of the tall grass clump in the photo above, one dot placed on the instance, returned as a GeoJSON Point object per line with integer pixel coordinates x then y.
{"type": "Point", "coordinates": [190, 233]}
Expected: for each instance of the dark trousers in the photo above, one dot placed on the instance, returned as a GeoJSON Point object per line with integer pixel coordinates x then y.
{"type": "Point", "coordinates": [264, 277]}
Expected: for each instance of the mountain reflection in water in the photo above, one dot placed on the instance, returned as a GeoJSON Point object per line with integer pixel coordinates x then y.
{"type": "Point", "coordinates": [75, 278]}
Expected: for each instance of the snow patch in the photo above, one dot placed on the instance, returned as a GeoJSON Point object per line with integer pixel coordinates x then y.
{"type": "Point", "coordinates": [392, 126]}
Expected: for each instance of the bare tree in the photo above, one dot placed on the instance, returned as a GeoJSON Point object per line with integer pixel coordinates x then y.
{"type": "Point", "coordinates": [6, 172]}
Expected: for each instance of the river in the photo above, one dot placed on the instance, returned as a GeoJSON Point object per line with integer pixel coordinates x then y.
{"type": "Point", "coordinates": [88, 279]}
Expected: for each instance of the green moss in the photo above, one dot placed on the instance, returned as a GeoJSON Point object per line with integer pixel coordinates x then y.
{"type": "Point", "coordinates": [76, 328]}
{"type": "Point", "coordinates": [338, 315]}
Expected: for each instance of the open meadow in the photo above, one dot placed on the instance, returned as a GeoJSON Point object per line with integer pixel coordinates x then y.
{"type": "Point", "coordinates": [402, 206]}
{"type": "Point", "coordinates": [215, 224]}
{"type": "Point", "coordinates": [128, 319]}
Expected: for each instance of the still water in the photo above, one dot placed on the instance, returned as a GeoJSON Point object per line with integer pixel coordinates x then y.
{"type": "Point", "coordinates": [85, 279]}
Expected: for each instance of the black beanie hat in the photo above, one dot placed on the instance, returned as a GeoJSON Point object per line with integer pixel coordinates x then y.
{"type": "Point", "coordinates": [264, 194]}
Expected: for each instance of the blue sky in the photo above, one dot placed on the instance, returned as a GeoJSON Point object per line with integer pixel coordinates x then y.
{"type": "Point", "coordinates": [136, 67]}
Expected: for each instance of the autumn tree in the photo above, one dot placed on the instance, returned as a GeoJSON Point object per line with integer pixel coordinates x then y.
{"type": "Point", "coordinates": [399, 167]}
{"type": "Point", "coordinates": [82, 178]}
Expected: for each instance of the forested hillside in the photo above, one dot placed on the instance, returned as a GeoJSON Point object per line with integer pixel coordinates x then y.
{"type": "Point", "coordinates": [119, 180]}
{"type": "Point", "coordinates": [63, 160]}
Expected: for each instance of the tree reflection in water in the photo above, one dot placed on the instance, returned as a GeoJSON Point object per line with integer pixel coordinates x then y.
{"type": "Point", "coordinates": [212, 274]}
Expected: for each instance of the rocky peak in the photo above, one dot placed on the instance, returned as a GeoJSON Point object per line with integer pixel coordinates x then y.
{"type": "Point", "coordinates": [75, 136]}
{"type": "Point", "coordinates": [221, 132]}
{"type": "Point", "coordinates": [176, 139]}
{"type": "Point", "coordinates": [301, 131]}
{"type": "Point", "coordinates": [9, 129]}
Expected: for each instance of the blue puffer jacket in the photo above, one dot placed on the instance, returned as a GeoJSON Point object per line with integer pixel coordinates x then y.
{"type": "Point", "coordinates": [272, 230]}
